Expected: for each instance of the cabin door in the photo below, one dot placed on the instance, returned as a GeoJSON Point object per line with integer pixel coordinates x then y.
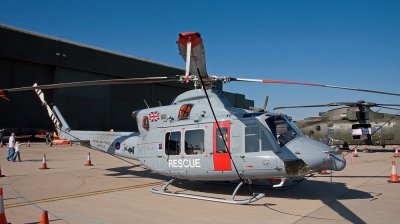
{"type": "Point", "coordinates": [222, 161]}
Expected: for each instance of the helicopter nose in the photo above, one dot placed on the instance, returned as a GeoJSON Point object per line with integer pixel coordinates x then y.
{"type": "Point", "coordinates": [337, 163]}
{"type": "Point", "coordinates": [316, 154]}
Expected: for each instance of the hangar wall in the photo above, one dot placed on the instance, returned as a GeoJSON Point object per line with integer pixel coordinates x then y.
{"type": "Point", "coordinates": [27, 57]}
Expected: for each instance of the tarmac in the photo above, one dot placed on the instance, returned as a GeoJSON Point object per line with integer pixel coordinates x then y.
{"type": "Point", "coordinates": [116, 190]}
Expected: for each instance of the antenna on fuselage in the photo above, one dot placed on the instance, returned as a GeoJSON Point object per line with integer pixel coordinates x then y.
{"type": "Point", "coordinates": [146, 104]}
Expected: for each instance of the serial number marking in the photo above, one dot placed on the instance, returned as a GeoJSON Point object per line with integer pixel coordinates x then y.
{"type": "Point", "coordinates": [101, 143]}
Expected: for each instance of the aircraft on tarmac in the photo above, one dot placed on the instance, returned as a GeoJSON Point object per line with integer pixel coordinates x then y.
{"type": "Point", "coordinates": [355, 124]}
{"type": "Point", "coordinates": [201, 137]}
{"type": "Point", "coordinates": [3, 138]}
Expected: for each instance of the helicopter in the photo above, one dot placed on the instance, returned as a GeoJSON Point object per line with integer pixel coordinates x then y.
{"type": "Point", "coordinates": [200, 136]}
{"type": "Point", "coordinates": [355, 124]}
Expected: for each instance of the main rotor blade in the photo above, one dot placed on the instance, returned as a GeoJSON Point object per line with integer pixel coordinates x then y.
{"type": "Point", "coordinates": [389, 108]}
{"type": "Point", "coordinates": [312, 84]}
{"type": "Point", "coordinates": [95, 83]}
{"type": "Point", "coordinates": [385, 104]}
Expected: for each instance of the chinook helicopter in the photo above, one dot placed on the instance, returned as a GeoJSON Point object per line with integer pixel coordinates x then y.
{"type": "Point", "coordinates": [356, 124]}
{"type": "Point", "coordinates": [201, 137]}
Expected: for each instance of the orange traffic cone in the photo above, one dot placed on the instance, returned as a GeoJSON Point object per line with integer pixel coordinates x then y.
{"type": "Point", "coordinates": [44, 165]}
{"type": "Point", "coordinates": [29, 144]}
{"type": "Point", "coordinates": [396, 152]}
{"type": "Point", "coordinates": [88, 161]}
{"type": "Point", "coordinates": [355, 152]}
{"type": "Point", "coordinates": [323, 172]}
{"type": "Point", "coordinates": [45, 218]}
{"type": "Point", "coordinates": [1, 175]}
{"type": "Point", "coordinates": [394, 178]}
{"type": "Point", "coordinates": [2, 212]}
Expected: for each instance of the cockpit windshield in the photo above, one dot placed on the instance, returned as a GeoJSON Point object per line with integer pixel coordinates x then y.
{"type": "Point", "coordinates": [283, 129]}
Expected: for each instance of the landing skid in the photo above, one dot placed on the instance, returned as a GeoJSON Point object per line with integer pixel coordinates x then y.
{"type": "Point", "coordinates": [231, 200]}
{"type": "Point", "coordinates": [296, 183]}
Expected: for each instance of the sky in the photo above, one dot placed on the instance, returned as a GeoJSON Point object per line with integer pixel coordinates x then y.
{"type": "Point", "coordinates": [337, 42]}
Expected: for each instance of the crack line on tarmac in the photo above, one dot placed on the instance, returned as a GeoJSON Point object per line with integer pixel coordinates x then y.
{"type": "Point", "coordinates": [375, 161]}
{"type": "Point", "coordinates": [81, 195]}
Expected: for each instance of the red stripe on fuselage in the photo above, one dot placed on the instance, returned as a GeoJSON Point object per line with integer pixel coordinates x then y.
{"type": "Point", "coordinates": [287, 82]}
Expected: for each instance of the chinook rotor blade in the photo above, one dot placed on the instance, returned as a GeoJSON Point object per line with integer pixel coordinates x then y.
{"type": "Point", "coordinates": [301, 106]}
{"type": "Point", "coordinates": [349, 104]}
{"type": "Point", "coordinates": [93, 83]}
{"type": "Point", "coordinates": [270, 81]}
{"type": "Point", "coordinates": [391, 108]}
{"type": "Point", "coordinates": [196, 54]}
{"type": "Point", "coordinates": [385, 104]}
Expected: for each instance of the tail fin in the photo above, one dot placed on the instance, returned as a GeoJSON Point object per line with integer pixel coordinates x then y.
{"type": "Point", "coordinates": [59, 123]}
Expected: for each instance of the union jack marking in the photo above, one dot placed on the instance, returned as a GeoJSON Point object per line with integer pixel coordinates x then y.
{"type": "Point", "coordinates": [154, 116]}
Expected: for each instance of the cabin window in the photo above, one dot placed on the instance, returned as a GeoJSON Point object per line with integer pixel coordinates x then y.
{"type": "Point", "coordinates": [252, 139]}
{"type": "Point", "coordinates": [331, 130]}
{"type": "Point", "coordinates": [173, 143]}
{"type": "Point", "coordinates": [220, 145]}
{"type": "Point", "coordinates": [256, 138]}
{"type": "Point", "coordinates": [184, 111]}
{"type": "Point", "coordinates": [318, 128]}
{"type": "Point", "coordinates": [377, 129]}
{"type": "Point", "coordinates": [194, 142]}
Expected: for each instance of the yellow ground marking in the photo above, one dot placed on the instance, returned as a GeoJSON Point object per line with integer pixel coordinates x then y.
{"type": "Point", "coordinates": [82, 195]}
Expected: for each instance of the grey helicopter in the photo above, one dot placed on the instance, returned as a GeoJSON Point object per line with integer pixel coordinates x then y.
{"type": "Point", "coordinates": [201, 137]}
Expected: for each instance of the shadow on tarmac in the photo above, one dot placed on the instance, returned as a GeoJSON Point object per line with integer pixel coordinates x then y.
{"type": "Point", "coordinates": [137, 173]}
{"type": "Point", "coordinates": [330, 193]}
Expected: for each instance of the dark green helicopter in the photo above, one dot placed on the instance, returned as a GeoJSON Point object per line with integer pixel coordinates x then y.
{"type": "Point", "coordinates": [355, 124]}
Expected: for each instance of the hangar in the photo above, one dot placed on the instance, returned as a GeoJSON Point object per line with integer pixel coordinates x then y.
{"type": "Point", "coordinates": [27, 57]}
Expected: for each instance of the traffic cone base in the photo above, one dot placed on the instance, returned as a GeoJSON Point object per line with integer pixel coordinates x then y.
{"type": "Point", "coordinates": [394, 178]}
{"type": "Point", "coordinates": [393, 181]}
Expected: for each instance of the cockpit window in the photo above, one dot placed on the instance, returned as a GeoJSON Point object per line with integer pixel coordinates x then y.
{"type": "Point", "coordinates": [283, 129]}
{"type": "Point", "coordinates": [256, 139]}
